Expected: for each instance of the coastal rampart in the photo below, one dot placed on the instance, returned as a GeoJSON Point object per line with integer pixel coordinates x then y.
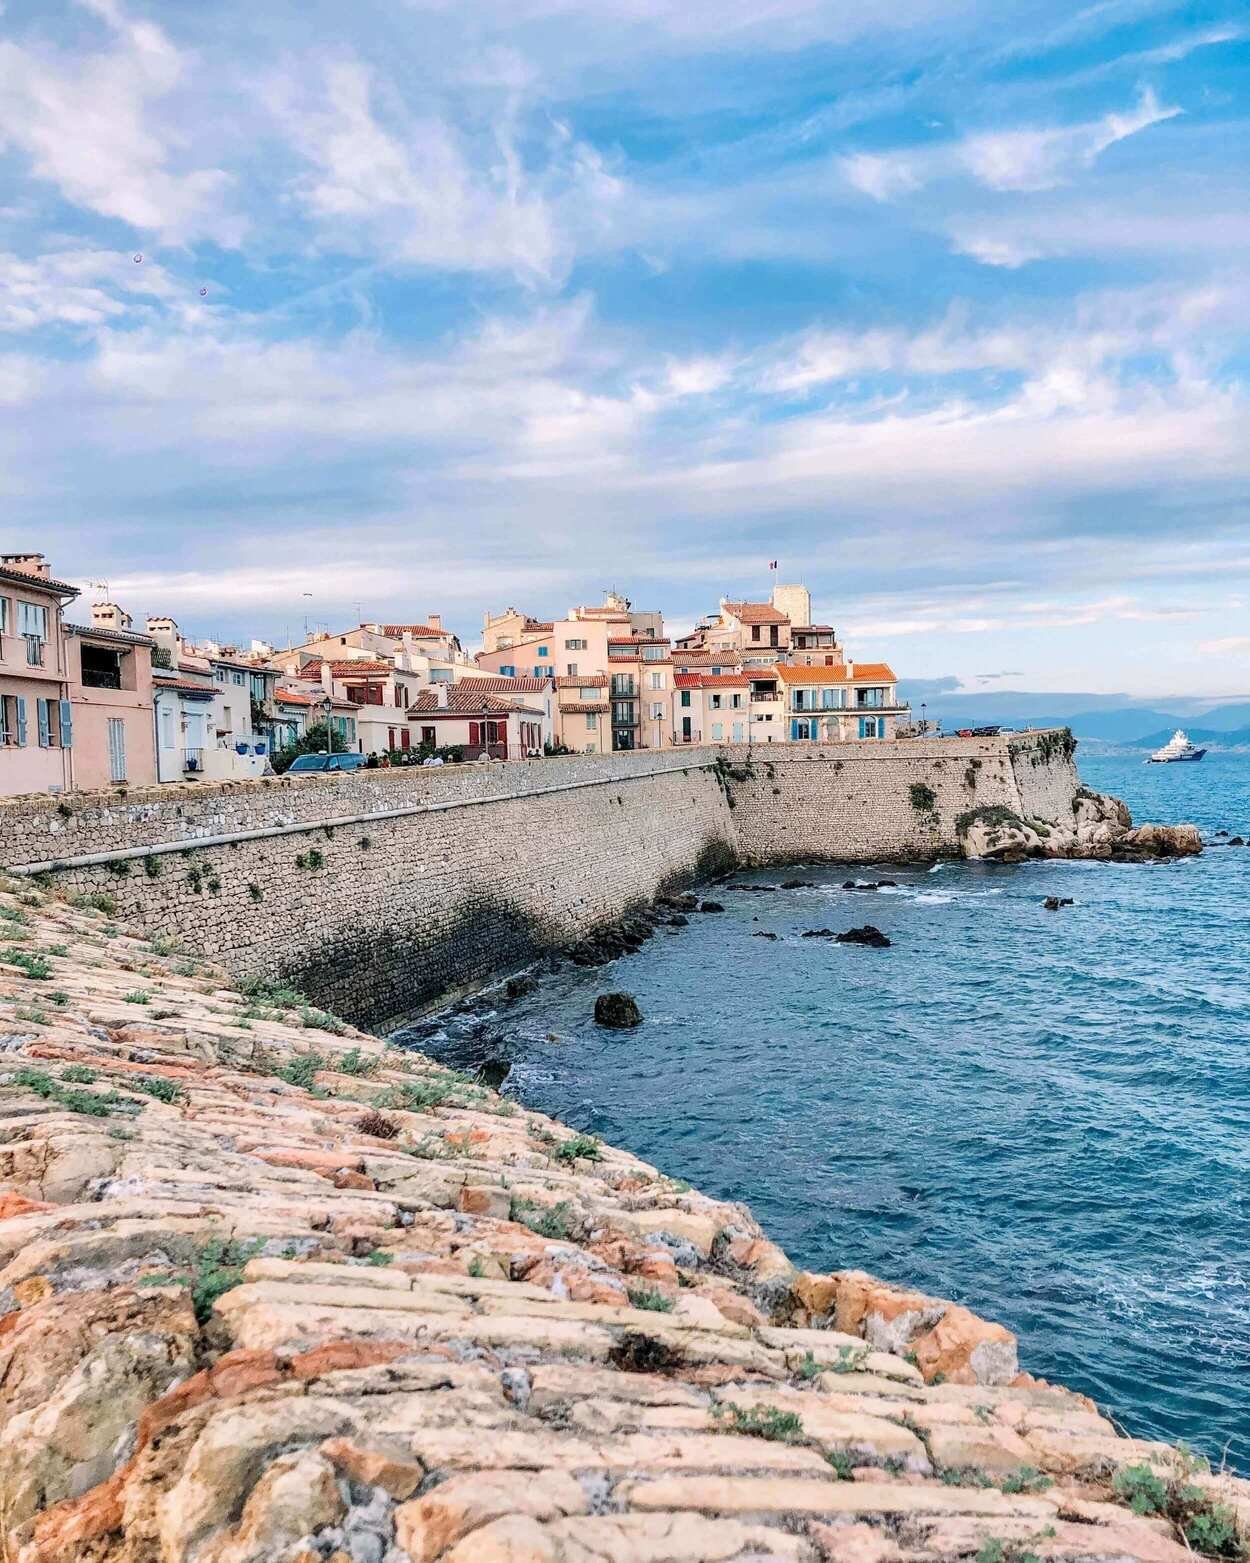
{"type": "Point", "coordinates": [379, 891]}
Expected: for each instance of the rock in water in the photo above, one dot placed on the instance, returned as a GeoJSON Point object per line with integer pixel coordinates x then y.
{"type": "Point", "coordinates": [711, 906]}
{"type": "Point", "coordinates": [873, 937]}
{"type": "Point", "coordinates": [618, 1010]}
{"type": "Point", "coordinates": [1052, 903]}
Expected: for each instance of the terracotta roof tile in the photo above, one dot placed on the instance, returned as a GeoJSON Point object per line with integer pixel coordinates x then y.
{"type": "Point", "coordinates": [862, 673]}
{"type": "Point", "coordinates": [585, 681]}
{"type": "Point", "coordinates": [359, 668]}
{"type": "Point", "coordinates": [501, 684]}
{"type": "Point", "coordinates": [756, 613]}
{"type": "Point", "coordinates": [418, 631]}
{"type": "Point", "coordinates": [463, 701]}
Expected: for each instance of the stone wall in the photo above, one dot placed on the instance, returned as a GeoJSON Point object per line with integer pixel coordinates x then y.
{"type": "Point", "coordinates": [378, 892]}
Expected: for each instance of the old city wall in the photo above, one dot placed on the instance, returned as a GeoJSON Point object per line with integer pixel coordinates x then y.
{"type": "Point", "coordinates": [378, 892]}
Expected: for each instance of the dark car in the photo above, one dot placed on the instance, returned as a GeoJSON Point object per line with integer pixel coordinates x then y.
{"type": "Point", "coordinates": [347, 761]}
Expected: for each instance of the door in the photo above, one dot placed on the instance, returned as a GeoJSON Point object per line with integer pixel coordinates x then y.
{"type": "Point", "coordinates": [117, 749]}
{"type": "Point", "coordinates": [685, 729]}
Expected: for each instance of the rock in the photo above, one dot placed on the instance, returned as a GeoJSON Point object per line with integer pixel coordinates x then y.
{"type": "Point", "coordinates": [517, 987]}
{"type": "Point", "coordinates": [428, 1526]}
{"type": "Point", "coordinates": [679, 920]}
{"type": "Point", "coordinates": [819, 933]}
{"type": "Point", "coordinates": [797, 884]}
{"type": "Point", "coordinates": [764, 935]}
{"type": "Point", "coordinates": [869, 884]}
{"type": "Point", "coordinates": [1236, 841]}
{"type": "Point", "coordinates": [619, 1011]}
{"type": "Point", "coordinates": [494, 1071]}
{"type": "Point", "coordinates": [1052, 903]}
{"type": "Point", "coordinates": [872, 937]}
{"type": "Point", "coordinates": [711, 906]}
{"type": "Point", "coordinates": [1158, 841]}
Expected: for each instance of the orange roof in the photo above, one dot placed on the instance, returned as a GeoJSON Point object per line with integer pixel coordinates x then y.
{"type": "Point", "coordinates": [755, 613]}
{"type": "Point", "coordinates": [501, 684]}
{"type": "Point", "coordinates": [723, 680]}
{"type": "Point", "coordinates": [462, 700]}
{"type": "Point", "coordinates": [293, 697]}
{"type": "Point", "coordinates": [421, 631]}
{"type": "Point", "coordinates": [707, 659]}
{"type": "Point", "coordinates": [585, 706]}
{"type": "Point", "coordinates": [857, 673]}
{"type": "Point", "coordinates": [347, 669]}
{"type": "Point", "coordinates": [585, 681]}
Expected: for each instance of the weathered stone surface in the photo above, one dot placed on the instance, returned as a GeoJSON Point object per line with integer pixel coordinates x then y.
{"type": "Point", "coordinates": [617, 1011]}
{"type": "Point", "coordinates": [213, 1352]}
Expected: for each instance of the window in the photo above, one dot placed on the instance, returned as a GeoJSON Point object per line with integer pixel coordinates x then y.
{"type": "Point", "coordinates": [32, 619]}
{"type": "Point", "coordinates": [653, 653]}
{"type": "Point", "coordinates": [755, 632]}
{"type": "Point", "coordinates": [220, 675]}
{"type": "Point", "coordinates": [570, 669]}
{"type": "Point", "coordinates": [657, 710]}
{"type": "Point", "coordinates": [575, 645]}
{"type": "Point", "coordinates": [592, 721]}
{"type": "Point", "coordinates": [167, 728]}
{"type": "Point", "coordinates": [715, 703]}
{"type": "Point", "coordinates": [43, 712]}
{"type": "Point", "coordinates": [657, 681]}
{"type": "Point", "coordinates": [4, 719]}
{"type": "Point", "coordinates": [117, 749]}
{"type": "Point", "coordinates": [872, 727]}
{"type": "Point", "coordinates": [4, 615]}
{"type": "Point", "coordinates": [736, 702]}
{"type": "Point", "coordinates": [737, 732]}
{"type": "Point", "coordinates": [588, 694]}
{"type": "Point", "coordinates": [541, 652]}
{"type": "Point", "coordinates": [830, 699]}
{"type": "Point", "coordinates": [802, 729]}
{"type": "Point", "coordinates": [101, 667]}
{"type": "Point", "coordinates": [19, 720]}
{"type": "Point", "coordinates": [66, 713]}
{"type": "Point", "coordinates": [685, 697]}
{"type": "Point", "coordinates": [237, 678]}
{"type": "Point", "coordinates": [508, 670]}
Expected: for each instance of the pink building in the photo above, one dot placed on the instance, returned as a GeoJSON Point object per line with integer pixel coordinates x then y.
{"type": "Point", "coordinates": [109, 669]}
{"type": "Point", "coordinates": [483, 725]}
{"type": "Point", "coordinates": [36, 718]}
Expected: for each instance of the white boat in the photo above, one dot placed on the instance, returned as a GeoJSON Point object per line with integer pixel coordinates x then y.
{"type": "Point", "coordinates": [1177, 748]}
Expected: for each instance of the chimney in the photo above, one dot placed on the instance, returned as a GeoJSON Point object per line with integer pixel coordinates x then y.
{"type": "Point", "coordinates": [850, 669]}
{"type": "Point", "coordinates": [28, 564]}
{"type": "Point", "coordinates": [108, 616]}
{"type": "Point", "coordinates": [440, 696]}
{"type": "Point", "coordinates": [165, 633]}
{"type": "Point", "coordinates": [435, 620]}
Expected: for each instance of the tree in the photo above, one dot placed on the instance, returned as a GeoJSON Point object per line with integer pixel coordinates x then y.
{"type": "Point", "coordinates": [313, 741]}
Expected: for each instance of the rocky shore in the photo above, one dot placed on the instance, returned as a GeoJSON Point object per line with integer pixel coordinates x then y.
{"type": "Point", "coordinates": [1101, 827]}
{"type": "Point", "coordinates": [272, 1291]}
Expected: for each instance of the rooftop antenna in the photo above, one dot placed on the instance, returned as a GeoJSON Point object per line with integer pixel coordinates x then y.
{"type": "Point", "coordinates": [100, 586]}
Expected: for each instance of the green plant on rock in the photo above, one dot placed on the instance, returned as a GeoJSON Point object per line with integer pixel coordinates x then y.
{"type": "Point", "coordinates": [94, 901]}
{"type": "Point", "coordinates": [1206, 1525]}
{"type": "Point", "coordinates": [778, 1427]}
{"type": "Point", "coordinates": [321, 1020]}
{"type": "Point", "coordinates": [219, 1268]}
{"type": "Point", "coordinates": [13, 914]}
{"type": "Point", "coordinates": [850, 1359]}
{"type": "Point", "coordinates": [582, 1147]}
{"type": "Point", "coordinates": [551, 1221]}
{"type": "Point", "coordinates": [923, 798]}
{"type": "Point", "coordinates": [158, 1086]}
{"type": "Point", "coordinates": [301, 1070]}
{"type": "Point", "coordinates": [136, 996]}
{"type": "Point", "coordinates": [79, 1074]}
{"type": "Point", "coordinates": [256, 893]}
{"type": "Point", "coordinates": [1027, 1479]}
{"type": "Point", "coordinates": [379, 1257]}
{"type": "Point", "coordinates": [152, 866]}
{"type": "Point", "coordinates": [842, 1462]}
{"type": "Point", "coordinates": [809, 1368]}
{"type": "Point", "coordinates": [313, 859]}
{"type": "Point", "coordinates": [85, 1102]}
{"type": "Point", "coordinates": [354, 1062]}
{"type": "Point", "coordinates": [650, 1299]}
{"type": "Point", "coordinates": [35, 966]}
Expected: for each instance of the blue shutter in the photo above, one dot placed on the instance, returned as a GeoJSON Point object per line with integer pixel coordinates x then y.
{"type": "Point", "coordinates": [20, 702]}
{"type": "Point", "coordinates": [67, 725]}
{"type": "Point", "coordinates": [44, 717]}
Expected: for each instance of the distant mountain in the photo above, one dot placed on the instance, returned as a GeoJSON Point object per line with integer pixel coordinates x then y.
{"type": "Point", "coordinates": [1107, 718]}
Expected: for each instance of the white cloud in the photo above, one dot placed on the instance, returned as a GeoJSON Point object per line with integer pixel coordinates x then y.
{"type": "Point", "coordinates": [882, 175]}
{"type": "Point", "coordinates": [90, 124]}
{"type": "Point", "coordinates": [417, 189]}
{"type": "Point", "coordinates": [1042, 159]}
{"type": "Point", "coordinates": [81, 288]}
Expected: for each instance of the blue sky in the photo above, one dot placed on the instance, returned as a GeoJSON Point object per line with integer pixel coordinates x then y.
{"type": "Point", "coordinates": [458, 304]}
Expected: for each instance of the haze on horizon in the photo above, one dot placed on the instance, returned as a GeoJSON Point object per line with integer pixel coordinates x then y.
{"type": "Point", "coordinates": [422, 305]}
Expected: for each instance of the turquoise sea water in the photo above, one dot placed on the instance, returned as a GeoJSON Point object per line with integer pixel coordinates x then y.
{"type": "Point", "coordinates": [1045, 1115]}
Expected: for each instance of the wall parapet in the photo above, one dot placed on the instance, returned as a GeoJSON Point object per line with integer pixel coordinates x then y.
{"type": "Point", "coordinates": [377, 892]}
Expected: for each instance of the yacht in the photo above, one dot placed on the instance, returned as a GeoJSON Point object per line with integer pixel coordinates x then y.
{"type": "Point", "coordinates": [1178, 747]}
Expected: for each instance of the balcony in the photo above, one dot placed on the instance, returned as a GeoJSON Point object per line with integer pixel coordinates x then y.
{"type": "Point", "coordinates": [35, 650]}
{"type": "Point", "coordinates": [623, 687]}
{"type": "Point", "coordinates": [687, 738]}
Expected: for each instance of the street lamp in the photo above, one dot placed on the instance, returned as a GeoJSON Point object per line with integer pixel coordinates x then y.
{"type": "Point", "coordinates": [329, 705]}
{"type": "Point", "coordinates": [924, 721]}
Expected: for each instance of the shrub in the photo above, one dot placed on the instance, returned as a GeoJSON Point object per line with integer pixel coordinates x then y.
{"type": "Point", "coordinates": [923, 798]}
{"type": "Point", "coordinates": [302, 1069]}
{"type": "Point", "coordinates": [380, 1257]}
{"type": "Point", "coordinates": [35, 966]}
{"type": "Point", "coordinates": [580, 1147]}
{"type": "Point", "coordinates": [354, 1062]}
{"type": "Point", "coordinates": [553, 1221]}
{"type": "Point", "coordinates": [648, 1298]}
{"type": "Point", "coordinates": [378, 1125]}
{"type": "Point", "coordinates": [158, 1086]}
{"type": "Point", "coordinates": [79, 1074]}
{"type": "Point", "coordinates": [136, 996]}
{"type": "Point", "coordinates": [218, 1269]}
{"type": "Point", "coordinates": [778, 1427]}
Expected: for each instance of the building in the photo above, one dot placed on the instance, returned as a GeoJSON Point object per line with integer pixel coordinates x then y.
{"type": "Point", "coordinates": [213, 711]}
{"type": "Point", "coordinates": [582, 712]}
{"type": "Point", "coordinates": [538, 693]}
{"type": "Point", "coordinates": [483, 726]}
{"type": "Point", "coordinates": [757, 631]}
{"type": "Point", "coordinates": [427, 650]}
{"type": "Point", "coordinates": [501, 631]}
{"type": "Point", "coordinates": [36, 715]}
{"type": "Point", "coordinates": [852, 702]}
{"type": "Point", "coordinates": [109, 670]}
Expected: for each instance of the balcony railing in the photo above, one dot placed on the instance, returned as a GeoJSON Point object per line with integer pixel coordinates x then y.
{"type": "Point", "coordinates": [687, 738]}
{"type": "Point", "coordinates": [34, 651]}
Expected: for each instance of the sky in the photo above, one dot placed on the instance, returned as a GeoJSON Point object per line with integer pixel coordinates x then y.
{"type": "Point", "coordinates": [320, 312]}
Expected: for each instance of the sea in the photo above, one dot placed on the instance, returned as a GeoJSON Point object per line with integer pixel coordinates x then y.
{"type": "Point", "coordinates": [1044, 1115]}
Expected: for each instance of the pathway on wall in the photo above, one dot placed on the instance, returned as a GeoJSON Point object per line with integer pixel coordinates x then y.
{"type": "Point", "coordinates": [274, 1293]}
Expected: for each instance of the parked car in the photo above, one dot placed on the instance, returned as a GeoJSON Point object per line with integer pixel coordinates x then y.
{"type": "Point", "coordinates": [347, 761]}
